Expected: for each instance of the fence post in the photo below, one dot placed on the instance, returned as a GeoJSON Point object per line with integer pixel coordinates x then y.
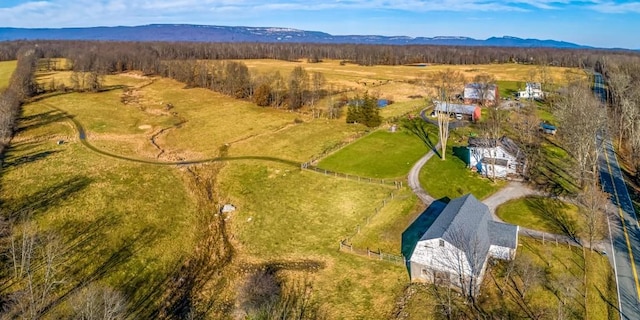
{"type": "Point", "coordinates": [380, 253]}
{"type": "Point", "coordinates": [368, 253]}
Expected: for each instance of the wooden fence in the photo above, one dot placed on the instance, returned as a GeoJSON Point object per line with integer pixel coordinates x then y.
{"type": "Point", "coordinates": [375, 255]}
{"type": "Point", "coordinates": [395, 183]}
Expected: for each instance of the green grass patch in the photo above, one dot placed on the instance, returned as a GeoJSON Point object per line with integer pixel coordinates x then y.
{"type": "Point", "coordinates": [541, 213]}
{"type": "Point", "coordinates": [555, 170]}
{"type": "Point", "coordinates": [508, 89]}
{"type": "Point", "coordinates": [384, 230]}
{"type": "Point", "coordinates": [6, 69]}
{"type": "Point", "coordinates": [380, 154]}
{"type": "Point", "coordinates": [451, 178]}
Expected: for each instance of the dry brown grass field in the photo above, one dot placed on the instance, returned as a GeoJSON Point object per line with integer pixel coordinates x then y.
{"type": "Point", "coordinates": [6, 69]}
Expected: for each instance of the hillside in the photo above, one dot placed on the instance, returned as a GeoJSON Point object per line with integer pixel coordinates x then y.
{"type": "Point", "coordinates": [207, 33]}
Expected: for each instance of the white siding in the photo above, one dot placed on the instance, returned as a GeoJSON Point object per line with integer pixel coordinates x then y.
{"type": "Point", "coordinates": [429, 255]}
{"type": "Point", "coordinates": [499, 252]}
{"type": "Point", "coordinates": [479, 153]}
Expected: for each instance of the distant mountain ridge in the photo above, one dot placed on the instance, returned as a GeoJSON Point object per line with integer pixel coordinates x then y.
{"type": "Point", "coordinates": [210, 33]}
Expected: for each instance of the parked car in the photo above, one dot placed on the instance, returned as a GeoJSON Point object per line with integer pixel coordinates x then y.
{"type": "Point", "coordinates": [458, 116]}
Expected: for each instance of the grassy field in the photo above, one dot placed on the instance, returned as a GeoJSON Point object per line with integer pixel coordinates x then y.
{"type": "Point", "coordinates": [132, 226]}
{"type": "Point", "coordinates": [122, 224]}
{"type": "Point", "coordinates": [292, 215]}
{"type": "Point", "coordinates": [381, 154]}
{"type": "Point", "coordinates": [6, 69]}
{"type": "Point", "coordinates": [541, 213]}
{"type": "Point", "coordinates": [384, 231]}
{"type": "Point", "coordinates": [284, 214]}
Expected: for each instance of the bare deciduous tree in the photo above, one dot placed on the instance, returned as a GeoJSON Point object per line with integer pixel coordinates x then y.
{"type": "Point", "coordinates": [447, 84]}
{"type": "Point", "coordinates": [97, 302]}
{"type": "Point", "coordinates": [592, 205]}
{"type": "Point", "coordinates": [484, 83]}
{"type": "Point", "coordinates": [581, 116]}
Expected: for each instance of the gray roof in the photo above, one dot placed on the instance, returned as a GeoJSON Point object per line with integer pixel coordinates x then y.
{"type": "Point", "coordinates": [466, 223]}
{"type": "Point", "coordinates": [506, 143]}
{"type": "Point", "coordinates": [503, 234]}
{"type": "Point", "coordinates": [455, 108]}
{"type": "Point", "coordinates": [478, 86]}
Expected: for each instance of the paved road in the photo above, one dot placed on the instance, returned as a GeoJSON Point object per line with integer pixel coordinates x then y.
{"type": "Point", "coordinates": [625, 235]}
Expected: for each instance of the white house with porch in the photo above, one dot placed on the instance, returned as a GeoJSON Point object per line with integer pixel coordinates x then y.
{"type": "Point", "coordinates": [532, 90]}
{"type": "Point", "coordinates": [455, 249]}
{"type": "Point", "coordinates": [497, 158]}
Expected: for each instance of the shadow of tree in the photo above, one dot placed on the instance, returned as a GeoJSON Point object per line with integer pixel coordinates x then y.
{"type": "Point", "coordinates": [13, 162]}
{"type": "Point", "coordinates": [553, 213]}
{"type": "Point", "coordinates": [84, 271]}
{"type": "Point", "coordinates": [418, 128]}
{"type": "Point", "coordinates": [40, 201]}
{"type": "Point", "coordinates": [40, 120]}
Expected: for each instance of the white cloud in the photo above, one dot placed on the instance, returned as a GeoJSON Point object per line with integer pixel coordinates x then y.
{"type": "Point", "coordinates": [55, 13]}
{"type": "Point", "coordinates": [614, 7]}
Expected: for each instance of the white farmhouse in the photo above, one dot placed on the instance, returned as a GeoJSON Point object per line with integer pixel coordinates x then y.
{"type": "Point", "coordinates": [532, 90]}
{"type": "Point", "coordinates": [496, 158]}
{"type": "Point", "coordinates": [456, 247]}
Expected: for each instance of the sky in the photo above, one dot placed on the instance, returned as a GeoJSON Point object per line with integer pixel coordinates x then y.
{"type": "Point", "coordinates": [598, 23]}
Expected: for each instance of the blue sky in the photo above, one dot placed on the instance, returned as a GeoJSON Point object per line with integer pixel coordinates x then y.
{"type": "Point", "coordinates": [601, 23]}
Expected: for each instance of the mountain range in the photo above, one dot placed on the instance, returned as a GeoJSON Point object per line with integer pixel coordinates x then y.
{"type": "Point", "coordinates": [209, 33]}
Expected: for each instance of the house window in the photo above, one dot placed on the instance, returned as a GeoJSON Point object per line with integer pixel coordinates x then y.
{"type": "Point", "coordinates": [441, 243]}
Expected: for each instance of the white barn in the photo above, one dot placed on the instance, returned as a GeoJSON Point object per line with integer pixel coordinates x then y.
{"type": "Point", "coordinates": [455, 249]}
{"type": "Point", "coordinates": [496, 158]}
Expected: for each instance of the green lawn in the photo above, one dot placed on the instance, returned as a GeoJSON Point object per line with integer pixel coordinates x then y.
{"type": "Point", "coordinates": [384, 231]}
{"type": "Point", "coordinates": [6, 69]}
{"type": "Point", "coordinates": [541, 213]}
{"type": "Point", "coordinates": [508, 89]}
{"type": "Point", "coordinates": [555, 170]}
{"type": "Point", "coordinates": [451, 178]}
{"type": "Point", "coordinates": [378, 155]}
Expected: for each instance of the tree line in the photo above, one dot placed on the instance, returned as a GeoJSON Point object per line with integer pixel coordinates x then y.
{"type": "Point", "coordinates": [146, 56]}
{"type": "Point", "coordinates": [22, 85]}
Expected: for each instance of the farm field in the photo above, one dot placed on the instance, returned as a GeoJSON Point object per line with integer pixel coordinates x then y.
{"type": "Point", "coordinates": [110, 171]}
{"type": "Point", "coordinates": [6, 69]}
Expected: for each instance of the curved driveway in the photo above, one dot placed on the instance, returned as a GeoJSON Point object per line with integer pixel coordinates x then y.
{"type": "Point", "coordinates": [513, 190]}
